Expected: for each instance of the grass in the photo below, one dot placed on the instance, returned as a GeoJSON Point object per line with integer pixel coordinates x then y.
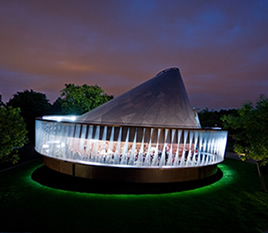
{"type": "Point", "coordinates": [234, 203]}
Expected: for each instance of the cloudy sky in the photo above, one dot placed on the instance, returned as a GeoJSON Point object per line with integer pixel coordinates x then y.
{"type": "Point", "coordinates": [220, 47]}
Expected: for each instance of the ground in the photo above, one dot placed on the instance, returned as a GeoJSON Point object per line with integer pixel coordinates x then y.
{"type": "Point", "coordinates": [230, 203]}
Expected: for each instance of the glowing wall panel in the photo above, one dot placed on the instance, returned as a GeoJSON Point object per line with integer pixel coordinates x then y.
{"type": "Point", "coordinates": [129, 146]}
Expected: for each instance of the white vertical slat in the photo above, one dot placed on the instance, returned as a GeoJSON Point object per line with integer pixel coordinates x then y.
{"type": "Point", "coordinates": [170, 155]}
{"type": "Point", "coordinates": [147, 161]}
{"type": "Point", "coordinates": [125, 150]}
{"type": "Point", "coordinates": [163, 155]}
{"type": "Point", "coordinates": [132, 153]}
{"type": "Point", "coordinates": [139, 161]}
{"type": "Point", "coordinates": [96, 144]}
{"type": "Point", "coordinates": [118, 147]}
{"type": "Point", "coordinates": [155, 158]}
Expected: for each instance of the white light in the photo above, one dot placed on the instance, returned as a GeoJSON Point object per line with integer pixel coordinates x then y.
{"type": "Point", "coordinates": [73, 118]}
{"type": "Point", "coordinates": [59, 118]}
{"type": "Point", "coordinates": [55, 141]}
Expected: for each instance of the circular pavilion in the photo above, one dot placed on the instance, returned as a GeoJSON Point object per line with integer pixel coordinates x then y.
{"type": "Point", "coordinates": [149, 134]}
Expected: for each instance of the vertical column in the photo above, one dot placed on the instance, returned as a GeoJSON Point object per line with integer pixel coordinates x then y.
{"type": "Point", "coordinates": [199, 157]}
{"type": "Point", "coordinates": [89, 143]}
{"type": "Point", "coordinates": [110, 148]}
{"type": "Point", "coordinates": [184, 152]}
{"type": "Point", "coordinates": [52, 138]}
{"type": "Point", "coordinates": [96, 144]}
{"type": "Point", "coordinates": [195, 151]}
{"type": "Point", "coordinates": [139, 161]}
{"type": "Point", "coordinates": [77, 154]}
{"type": "Point", "coordinates": [133, 149]}
{"type": "Point", "coordinates": [177, 159]}
{"type": "Point", "coordinates": [39, 135]}
{"type": "Point", "coordinates": [102, 153]}
{"type": "Point", "coordinates": [82, 142]}
{"type": "Point", "coordinates": [155, 158]}
{"type": "Point", "coordinates": [65, 140]}
{"type": "Point", "coordinates": [118, 147]}
{"type": "Point", "coordinates": [163, 155]}
{"type": "Point", "coordinates": [125, 150]}
{"type": "Point", "coordinates": [147, 161]}
{"type": "Point", "coordinates": [170, 155]}
{"type": "Point", "coordinates": [190, 149]}
{"type": "Point", "coordinates": [204, 151]}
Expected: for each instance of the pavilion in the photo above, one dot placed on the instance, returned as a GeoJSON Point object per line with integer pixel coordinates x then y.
{"type": "Point", "coordinates": [149, 134]}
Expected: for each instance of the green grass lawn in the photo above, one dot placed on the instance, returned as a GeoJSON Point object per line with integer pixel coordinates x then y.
{"type": "Point", "coordinates": [234, 203]}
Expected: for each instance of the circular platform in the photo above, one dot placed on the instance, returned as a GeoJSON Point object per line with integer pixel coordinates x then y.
{"type": "Point", "coordinates": [130, 174]}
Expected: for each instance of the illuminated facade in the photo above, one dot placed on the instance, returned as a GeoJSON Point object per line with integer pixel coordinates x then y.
{"type": "Point", "coordinates": [149, 134]}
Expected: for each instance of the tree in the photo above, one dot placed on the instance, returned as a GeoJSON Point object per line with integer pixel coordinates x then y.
{"type": "Point", "coordinates": [251, 137]}
{"type": "Point", "coordinates": [80, 99]}
{"type": "Point", "coordinates": [213, 118]}
{"type": "Point", "coordinates": [1, 102]}
{"type": "Point", "coordinates": [32, 104]}
{"type": "Point", "coordinates": [12, 134]}
{"type": "Point", "coordinates": [56, 108]}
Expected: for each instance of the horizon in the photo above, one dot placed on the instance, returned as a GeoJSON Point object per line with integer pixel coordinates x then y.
{"type": "Point", "coordinates": [221, 48]}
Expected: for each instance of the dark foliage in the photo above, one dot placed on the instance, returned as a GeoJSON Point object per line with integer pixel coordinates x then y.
{"type": "Point", "coordinates": [32, 104]}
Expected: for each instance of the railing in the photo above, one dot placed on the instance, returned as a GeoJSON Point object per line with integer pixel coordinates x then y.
{"type": "Point", "coordinates": [129, 146]}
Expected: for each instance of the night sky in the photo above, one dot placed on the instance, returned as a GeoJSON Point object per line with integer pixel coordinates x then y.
{"type": "Point", "coordinates": [220, 47]}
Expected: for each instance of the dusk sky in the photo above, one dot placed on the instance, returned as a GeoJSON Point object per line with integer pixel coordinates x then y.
{"type": "Point", "coordinates": [220, 47]}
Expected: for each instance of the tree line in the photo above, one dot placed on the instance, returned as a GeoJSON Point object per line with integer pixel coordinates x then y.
{"type": "Point", "coordinates": [248, 130]}
{"type": "Point", "coordinates": [247, 127]}
{"type": "Point", "coordinates": [17, 116]}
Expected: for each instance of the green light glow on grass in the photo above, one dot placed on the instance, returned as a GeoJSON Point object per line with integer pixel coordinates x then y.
{"type": "Point", "coordinates": [231, 204]}
{"type": "Point", "coordinates": [228, 179]}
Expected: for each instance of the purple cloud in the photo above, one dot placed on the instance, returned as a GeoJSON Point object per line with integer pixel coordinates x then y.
{"type": "Point", "coordinates": [221, 47]}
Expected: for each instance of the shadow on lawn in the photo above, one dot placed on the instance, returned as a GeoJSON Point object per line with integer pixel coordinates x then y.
{"type": "Point", "coordinates": [53, 179]}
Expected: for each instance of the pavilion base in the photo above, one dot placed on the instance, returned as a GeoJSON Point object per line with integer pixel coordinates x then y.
{"type": "Point", "coordinates": [131, 174]}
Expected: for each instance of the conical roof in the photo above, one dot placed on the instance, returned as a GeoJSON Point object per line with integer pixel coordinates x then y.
{"type": "Point", "coordinates": [159, 102]}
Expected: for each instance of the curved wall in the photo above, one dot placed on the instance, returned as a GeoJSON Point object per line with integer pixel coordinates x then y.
{"type": "Point", "coordinates": [133, 154]}
{"type": "Point", "coordinates": [130, 174]}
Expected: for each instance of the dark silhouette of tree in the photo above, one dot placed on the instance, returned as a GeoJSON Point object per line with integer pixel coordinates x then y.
{"type": "Point", "coordinates": [251, 137]}
{"type": "Point", "coordinates": [56, 108]}
{"type": "Point", "coordinates": [77, 99]}
{"type": "Point", "coordinates": [213, 118]}
{"type": "Point", "coordinates": [1, 102]}
{"type": "Point", "coordinates": [12, 133]}
{"type": "Point", "coordinates": [32, 104]}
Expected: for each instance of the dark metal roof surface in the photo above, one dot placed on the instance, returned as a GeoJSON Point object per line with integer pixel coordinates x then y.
{"type": "Point", "coordinates": [159, 102]}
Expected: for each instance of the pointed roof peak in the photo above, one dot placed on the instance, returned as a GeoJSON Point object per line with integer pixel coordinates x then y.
{"type": "Point", "coordinates": [159, 102]}
{"type": "Point", "coordinates": [168, 69]}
